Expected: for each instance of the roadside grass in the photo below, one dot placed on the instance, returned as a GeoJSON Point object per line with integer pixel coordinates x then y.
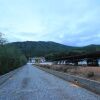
{"type": "Point", "coordinates": [92, 73]}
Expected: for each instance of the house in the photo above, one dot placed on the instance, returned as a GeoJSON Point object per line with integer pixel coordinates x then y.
{"type": "Point", "coordinates": [35, 60]}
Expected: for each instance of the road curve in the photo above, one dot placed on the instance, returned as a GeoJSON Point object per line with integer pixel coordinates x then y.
{"type": "Point", "coordinates": [31, 83]}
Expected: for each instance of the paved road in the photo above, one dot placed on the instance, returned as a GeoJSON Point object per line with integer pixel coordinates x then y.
{"type": "Point", "coordinates": [31, 83]}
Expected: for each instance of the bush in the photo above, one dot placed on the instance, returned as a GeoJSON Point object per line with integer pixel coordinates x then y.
{"type": "Point", "coordinates": [90, 74]}
{"type": "Point", "coordinates": [10, 58]}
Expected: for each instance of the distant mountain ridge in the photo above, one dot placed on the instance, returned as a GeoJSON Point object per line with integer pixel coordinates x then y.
{"type": "Point", "coordinates": [42, 48]}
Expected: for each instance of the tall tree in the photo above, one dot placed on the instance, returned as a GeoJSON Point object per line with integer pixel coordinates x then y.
{"type": "Point", "coordinates": [2, 40]}
{"type": "Point", "coordinates": [10, 57]}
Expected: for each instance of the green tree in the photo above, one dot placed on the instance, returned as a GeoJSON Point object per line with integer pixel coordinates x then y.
{"type": "Point", "coordinates": [10, 57]}
{"type": "Point", "coordinates": [2, 40]}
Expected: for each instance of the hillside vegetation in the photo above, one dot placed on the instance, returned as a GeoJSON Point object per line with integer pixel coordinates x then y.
{"type": "Point", "coordinates": [10, 57]}
{"type": "Point", "coordinates": [51, 49]}
{"type": "Point", "coordinates": [40, 48]}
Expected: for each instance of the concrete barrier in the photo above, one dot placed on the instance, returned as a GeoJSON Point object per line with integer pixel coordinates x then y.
{"type": "Point", "coordinates": [92, 85]}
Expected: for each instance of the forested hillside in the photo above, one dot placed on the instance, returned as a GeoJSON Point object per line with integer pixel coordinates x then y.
{"type": "Point", "coordinates": [40, 48]}
{"type": "Point", "coordinates": [51, 49]}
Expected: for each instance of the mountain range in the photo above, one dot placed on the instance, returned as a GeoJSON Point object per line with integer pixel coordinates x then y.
{"type": "Point", "coordinates": [42, 48]}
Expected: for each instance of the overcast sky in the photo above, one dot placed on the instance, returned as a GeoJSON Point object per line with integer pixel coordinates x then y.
{"type": "Point", "coordinates": [71, 22]}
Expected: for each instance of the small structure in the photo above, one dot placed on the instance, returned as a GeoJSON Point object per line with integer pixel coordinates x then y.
{"type": "Point", "coordinates": [99, 62]}
{"type": "Point", "coordinates": [82, 63]}
{"type": "Point", "coordinates": [35, 60]}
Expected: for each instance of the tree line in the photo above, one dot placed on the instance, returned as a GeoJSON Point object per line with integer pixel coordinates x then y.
{"type": "Point", "coordinates": [10, 57]}
{"type": "Point", "coordinates": [52, 50]}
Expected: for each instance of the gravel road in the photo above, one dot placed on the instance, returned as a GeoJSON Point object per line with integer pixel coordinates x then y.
{"type": "Point", "coordinates": [31, 83]}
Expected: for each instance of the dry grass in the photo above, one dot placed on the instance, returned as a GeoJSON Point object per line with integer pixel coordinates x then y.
{"type": "Point", "coordinates": [96, 70]}
{"type": "Point", "coordinates": [84, 71]}
{"type": "Point", "coordinates": [76, 70]}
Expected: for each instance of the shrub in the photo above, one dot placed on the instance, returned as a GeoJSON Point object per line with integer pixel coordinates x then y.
{"type": "Point", "coordinates": [90, 74]}
{"type": "Point", "coordinates": [10, 58]}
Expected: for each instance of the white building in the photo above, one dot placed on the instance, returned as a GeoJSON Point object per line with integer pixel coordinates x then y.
{"type": "Point", "coordinates": [84, 62]}
{"type": "Point", "coordinates": [37, 60]}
